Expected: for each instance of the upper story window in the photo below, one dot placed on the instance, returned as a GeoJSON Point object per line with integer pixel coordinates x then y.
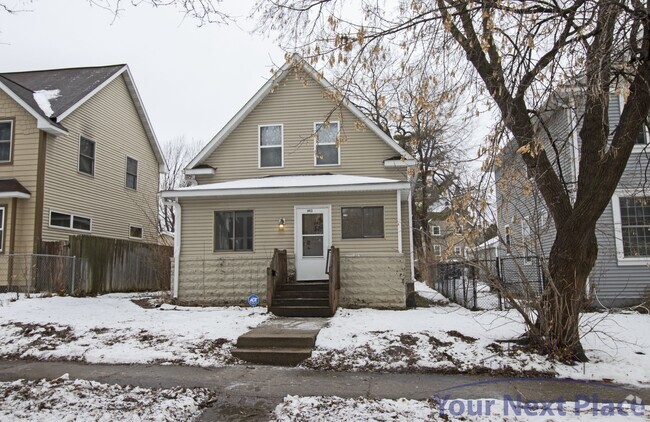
{"type": "Point", "coordinates": [86, 156]}
{"type": "Point", "coordinates": [6, 135]}
{"type": "Point", "coordinates": [642, 136]}
{"type": "Point", "coordinates": [271, 146]}
{"type": "Point", "coordinates": [131, 173]}
{"type": "Point", "coordinates": [435, 230]}
{"type": "Point", "coordinates": [327, 150]}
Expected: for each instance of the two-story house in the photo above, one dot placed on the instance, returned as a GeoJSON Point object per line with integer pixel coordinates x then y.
{"type": "Point", "coordinates": [298, 168]}
{"type": "Point", "coordinates": [78, 155]}
{"type": "Point", "coordinates": [621, 275]}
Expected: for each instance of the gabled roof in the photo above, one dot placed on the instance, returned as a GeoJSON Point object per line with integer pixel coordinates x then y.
{"type": "Point", "coordinates": [51, 95]}
{"type": "Point", "coordinates": [267, 88]}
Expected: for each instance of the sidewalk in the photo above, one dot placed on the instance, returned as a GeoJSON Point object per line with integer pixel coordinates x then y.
{"type": "Point", "coordinates": [252, 391]}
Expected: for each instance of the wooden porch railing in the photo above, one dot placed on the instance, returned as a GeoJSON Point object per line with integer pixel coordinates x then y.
{"type": "Point", "coordinates": [276, 274]}
{"type": "Point", "coordinates": [334, 272]}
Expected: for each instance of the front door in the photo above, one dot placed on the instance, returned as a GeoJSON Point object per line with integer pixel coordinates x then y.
{"type": "Point", "coordinates": [313, 234]}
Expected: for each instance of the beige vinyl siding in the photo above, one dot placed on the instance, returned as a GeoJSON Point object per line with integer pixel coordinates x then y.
{"type": "Point", "coordinates": [109, 119]}
{"type": "Point", "coordinates": [197, 230]}
{"type": "Point", "coordinates": [23, 168]}
{"type": "Point", "coordinates": [297, 103]}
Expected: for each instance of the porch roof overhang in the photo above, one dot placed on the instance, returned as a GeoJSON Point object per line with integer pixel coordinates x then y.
{"type": "Point", "coordinates": [11, 188]}
{"type": "Point", "coordinates": [290, 184]}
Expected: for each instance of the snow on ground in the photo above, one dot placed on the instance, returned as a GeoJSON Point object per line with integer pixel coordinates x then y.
{"type": "Point", "coordinates": [113, 329]}
{"type": "Point", "coordinates": [296, 409]}
{"type": "Point", "coordinates": [453, 339]}
{"type": "Point", "coordinates": [80, 400]}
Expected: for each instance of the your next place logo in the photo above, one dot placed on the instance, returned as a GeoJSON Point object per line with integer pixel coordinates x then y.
{"type": "Point", "coordinates": [604, 400]}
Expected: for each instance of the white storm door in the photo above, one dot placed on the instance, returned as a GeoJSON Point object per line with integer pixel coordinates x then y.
{"type": "Point", "coordinates": [313, 234]}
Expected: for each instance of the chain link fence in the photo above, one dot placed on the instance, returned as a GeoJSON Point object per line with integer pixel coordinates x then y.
{"type": "Point", "coordinates": [473, 283]}
{"type": "Point", "coordinates": [38, 273]}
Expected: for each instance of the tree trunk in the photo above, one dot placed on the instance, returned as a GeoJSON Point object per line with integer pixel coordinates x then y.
{"type": "Point", "coordinates": [572, 258]}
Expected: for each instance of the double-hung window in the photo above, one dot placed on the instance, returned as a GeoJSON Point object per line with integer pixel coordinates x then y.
{"type": "Point", "coordinates": [233, 230]}
{"type": "Point", "coordinates": [362, 222]}
{"type": "Point", "coordinates": [634, 235]}
{"type": "Point", "coordinates": [6, 138]}
{"type": "Point", "coordinates": [327, 148]}
{"type": "Point", "coordinates": [131, 173]}
{"type": "Point", "coordinates": [86, 156]}
{"type": "Point", "coordinates": [436, 250]}
{"type": "Point", "coordinates": [435, 230]}
{"type": "Point", "coordinates": [271, 146]}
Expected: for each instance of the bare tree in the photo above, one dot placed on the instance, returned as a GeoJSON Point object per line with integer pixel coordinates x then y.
{"type": "Point", "coordinates": [178, 153]}
{"type": "Point", "coordinates": [517, 54]}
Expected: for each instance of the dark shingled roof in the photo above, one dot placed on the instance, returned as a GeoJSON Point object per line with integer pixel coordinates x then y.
{"type": "Point", "coordinates": [12, 185]}
{"type": "Point", "coordinates": [73, 84]}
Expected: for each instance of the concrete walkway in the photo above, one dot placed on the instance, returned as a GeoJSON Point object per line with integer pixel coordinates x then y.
{"type": "Point", "coordinates": [252, 392]}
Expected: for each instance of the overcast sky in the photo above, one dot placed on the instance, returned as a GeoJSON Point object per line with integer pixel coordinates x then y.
{"type": "Point", "coordinates": [192, 80]}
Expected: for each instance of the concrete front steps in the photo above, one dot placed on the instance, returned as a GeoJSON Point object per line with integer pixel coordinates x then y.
{"type": "Point", "coordinates": [276, 346]}
{"type": "Point", "coordinates": [302, 299]}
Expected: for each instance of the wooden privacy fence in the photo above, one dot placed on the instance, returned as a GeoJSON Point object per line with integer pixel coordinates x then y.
{"type": "Point", "coordinates": [106, 265]}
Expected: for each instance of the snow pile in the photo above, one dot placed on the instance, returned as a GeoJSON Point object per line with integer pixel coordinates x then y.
{"type": "Point", "coordinates": [295, 408]}
{"type": "Point", "coordinates": [62, 399]}
{"type": "Point", "coordinates": [429, 294]}
{"type": "Point", "coordinates": [113, 329]}
{"type": "Point", "coordinates": [43, 98]}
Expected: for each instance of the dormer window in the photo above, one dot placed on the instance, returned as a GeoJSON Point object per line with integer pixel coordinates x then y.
{"type": "Point", "coordinates": [271, 146]}
{"type": "Point", "coordinates": [327, 152]}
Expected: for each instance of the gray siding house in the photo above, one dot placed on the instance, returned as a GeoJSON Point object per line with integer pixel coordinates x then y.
{"type": "Point", "coordinates": [621, 275]}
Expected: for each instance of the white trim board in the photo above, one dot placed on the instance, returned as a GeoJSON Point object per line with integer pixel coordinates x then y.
{"type": "Point", "coordinates": [266, 89]}
{"type": "Point", "coordinates": [622, 260]}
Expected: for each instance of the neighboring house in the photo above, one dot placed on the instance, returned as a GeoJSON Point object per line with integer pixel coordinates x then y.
{"type": "Point", "coordinates": [621, 275]}
{"type": "Point", "coordinates": [449, 237]}
{"type": "Point", "coordinates": [297, 168]}
{"type": "Point", "coordinates": [77, 156]}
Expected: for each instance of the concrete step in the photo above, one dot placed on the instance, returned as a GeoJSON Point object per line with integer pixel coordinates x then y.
{"type": "Point", "coordinates": [306, 287]}
{"type": "Point", "coordinates": [300, 301]}
{"type": "Point", "coordinates": [273, 356]}
{"type": "Point", "coordinates": [288, 294]}
{"type": "Point", "coordinates": [277, 338]}
{"type": "Point", "coordinates": [301, 311]}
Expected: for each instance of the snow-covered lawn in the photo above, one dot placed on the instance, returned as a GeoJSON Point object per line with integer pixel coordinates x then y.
{"type": "Point", "coordinates": [80, 400]}
{"type": "Point", "coordinates": [113, 329]}
{"type": "Point", "coordinates": [296, 409]}
{"type": "Point", "coordinates": [453, 339]}
{"type": "Point", "coordinates": [440, 338]}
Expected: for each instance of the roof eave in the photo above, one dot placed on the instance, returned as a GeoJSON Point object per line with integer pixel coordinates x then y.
{"type": "Point", "coordinates": [197, 193]}
{"type": "Point", "coordinates": [41, 122]}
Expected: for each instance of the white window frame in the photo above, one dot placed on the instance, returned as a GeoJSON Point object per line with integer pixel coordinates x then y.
{"type": "Point", "coordinates": [79, 156]}
{"type": "Point", "coordinates": [126, 172]}
{"type": "Point", "coordinates": [433, 231]}
{"type": "Point", "coordinates": [459, 229]}
{"type": "Point", "coordinates": [437, 250]}
{"type": "Point", "coordinates": [137, 227]}
{"type": "Point", "coordinates": [260, 146]}
{"type": "Point", "coordinates": [338, 148]}
{"type": "Point", "coordinates": [72, 216]}
{"type": "Point", "coordinates": [458, 251]}
{"type": "Point", "coordinates": [618, 231]}
{"type": "Point", "coordinates": [11, 139]}
{"type": "Point", "coordinates": [2, 227]}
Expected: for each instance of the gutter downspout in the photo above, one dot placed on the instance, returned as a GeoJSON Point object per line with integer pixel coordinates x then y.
{"type": "Point", "coordinates": [177, 244]}
{"type": "Point", "coordinates": [411, 234]}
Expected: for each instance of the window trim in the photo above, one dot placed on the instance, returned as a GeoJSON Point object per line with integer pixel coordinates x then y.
{"type": "Point", "coordinates": [622, 260]}
{"type": "Point", "coordinates": [439, 250]}
{"type": "Point", "coordinates": [433, 231]}
{"type": "Point", "coordinates": [72, 216]}
{"type": "Point", "coordinates": [383, 221]}
{"type": "Point", "coordinates": [79, 156]}
{"type": "Point", "coordinates": [259, 146]}
{"type": "Point", "coordinates": [12, 135]}
{"type": "Point", "coordinates": [3, 230]}
{"type": "Point", "coordinates": [137, 227]}
{"type": "Point", "coordinates": [338, 148]}
{"type": "Point", "coordinates": [126, 172]}
{"type": "Point", "coordinates": [214, 232]}
{"type": "Point", "coordinates": [458, 251]}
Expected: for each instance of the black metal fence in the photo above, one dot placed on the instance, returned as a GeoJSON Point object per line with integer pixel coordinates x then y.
{"type": "Point", "coordinates": [489, 284]}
